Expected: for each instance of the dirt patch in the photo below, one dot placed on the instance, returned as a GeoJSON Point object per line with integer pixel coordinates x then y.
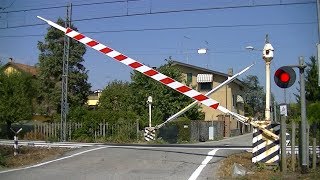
{"type": "Point", "coordinates": [260, 170]}
{"type": "Point", "coordinates": [27, 155]}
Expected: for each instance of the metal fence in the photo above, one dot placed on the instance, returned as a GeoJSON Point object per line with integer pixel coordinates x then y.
{"type": "Point", "coordinates": [52, 130]}
{"type": "Point", "coordinates": [200, 130]}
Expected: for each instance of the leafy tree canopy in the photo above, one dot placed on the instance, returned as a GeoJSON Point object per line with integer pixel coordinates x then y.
{"type": "Point", "coordinates": [312, 88]}
{"type": "Point", "coordinates": [116, 102]}
{"type": "Point", "coordinates": [313, 112]}
{"type": "Point", "coordinates": [50, 75]}
{"type": "Point", "coordinates": [254, 96]}
{"type": "Point", "coordinates": [16, 93]}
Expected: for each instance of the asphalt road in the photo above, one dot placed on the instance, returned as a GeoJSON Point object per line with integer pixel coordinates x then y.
{"type": "Point", "coordinates": [133, 162]}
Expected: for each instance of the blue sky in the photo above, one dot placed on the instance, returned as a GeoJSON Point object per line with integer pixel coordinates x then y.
{"type": "Point", "coordinates": [225, 31]}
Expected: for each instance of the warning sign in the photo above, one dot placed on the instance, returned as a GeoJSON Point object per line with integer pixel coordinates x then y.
{"type": "Point", "coordinates": [283, 110]}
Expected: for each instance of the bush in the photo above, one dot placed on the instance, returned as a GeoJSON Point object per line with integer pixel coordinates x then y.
{"type": "Point", "coordinates": [34, 136]}
{"type": "Point", "coordinates": [177, 131]}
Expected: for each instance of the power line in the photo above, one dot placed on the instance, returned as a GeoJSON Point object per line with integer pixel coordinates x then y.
{"type": "Point", "coordinates": [9, 5]}
{"type": "Point", "coordinates": [63, 6]}
{"type": "Point", "coordinates": [197, 9]}
{"type": "Point", "coordinates": [173, 11]}
{"type": "Point", "coordinates": [172, 28]}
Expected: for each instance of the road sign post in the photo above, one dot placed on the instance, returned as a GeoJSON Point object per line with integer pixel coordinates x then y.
{"type": "Point", "coordinates": [15, 139]}
{"type": "Point", "coordinates": [283, 128]}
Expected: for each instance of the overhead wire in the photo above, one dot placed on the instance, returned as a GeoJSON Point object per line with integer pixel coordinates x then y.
{"type": "Point", "coordinates": [13, 1]}
{"type": "Point", "coordinates": [167, 12]}
{"type": "Point", "coordinates": [74, 5]}
{"type": "Point", "coordinates": [172, 28]}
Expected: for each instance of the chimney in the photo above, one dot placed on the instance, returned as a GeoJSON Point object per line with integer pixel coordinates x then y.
{"type": "Point", "coordinates": [230, 72]}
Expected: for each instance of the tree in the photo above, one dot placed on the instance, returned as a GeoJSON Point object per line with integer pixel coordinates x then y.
{"type": "Point", "coordinates": [166, 101]}
{"type": "Point", "coordinates": [116, 102]}
{"type": "Point", "coordinates": [50, 74]}
{"type": "Point", "coordinates": [313, 112]}
{"type": "Point", "coordinates": [254, 96]}
{"type": "Point", "coordinates": [16, 94]}
{"type": "Point", "coordinates": [312, 88]}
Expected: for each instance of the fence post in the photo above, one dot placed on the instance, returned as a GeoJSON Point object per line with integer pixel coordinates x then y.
{"type": "Point", "coordinates": [137, 126]}
{"type": "Point", "coordinates": [104, 129]}
{"type": "Point", "coordinates": [314, 144]}
{"type": "Point", "coordinates": [293, 145]}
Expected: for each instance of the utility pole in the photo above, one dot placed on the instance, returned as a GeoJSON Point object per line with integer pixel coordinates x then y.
{"type": "Point", "coordinates": [283, 136]}
{"type": "Point", "coordinates": [64, 83]}
{"type": "Point", "coordinates": [303, 133]}
{"type": "Point", "coordinates": [318, 45]}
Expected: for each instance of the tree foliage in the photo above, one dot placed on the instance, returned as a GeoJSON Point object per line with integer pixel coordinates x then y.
{"type": "Point", "coordinates": [166, 101]}
{"type": "Point", "coordinates": [50, 74]}
{"type": "Point", "coordinates": [312, 88]}
{"type": "Point", "coordinates": [313, 112]}
{"type": "Point", "coordinates": [16, 94]}
{"type": "Point", "coordinates": [116, 102]}
{"type": "Point", "coordinates": [254, 96]}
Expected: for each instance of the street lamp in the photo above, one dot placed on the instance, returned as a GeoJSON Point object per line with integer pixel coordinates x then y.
{"type": "Point", "coordinates": [202, 51]}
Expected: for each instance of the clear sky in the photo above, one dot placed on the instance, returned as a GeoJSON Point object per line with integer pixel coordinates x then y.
{"type": "Point", "coordinates": [152, 30]}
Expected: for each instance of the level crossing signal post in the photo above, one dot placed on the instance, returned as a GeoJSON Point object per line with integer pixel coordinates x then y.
{"type": "Point", "coordinates": [285, 77]}
{"type": "Point", "coordinates": [266, 149]}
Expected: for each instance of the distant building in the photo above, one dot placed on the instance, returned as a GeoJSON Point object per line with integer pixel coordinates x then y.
{"type": "Point", "coordinates": [229, 96]}
{"type": "Point", "coordinates": [12, 66]}
{"type": "Point", "coordinates": [93, 98]}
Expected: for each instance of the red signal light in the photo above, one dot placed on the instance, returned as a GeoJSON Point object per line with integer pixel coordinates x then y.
{"type": "Point", "coordinates": [285, 77]}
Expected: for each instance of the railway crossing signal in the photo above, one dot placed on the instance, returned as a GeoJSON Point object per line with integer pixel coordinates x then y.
{"type": "Point", "coordinates": [285, 77]}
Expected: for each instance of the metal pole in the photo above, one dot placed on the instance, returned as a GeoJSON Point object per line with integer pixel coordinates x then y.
{"type": "Point", "coordinates": [303, 134]}
{"type": "Point", "coordinates": [275, 111]}
{"type": "Point", "coordinates": [284, 137]}
{"type": "Point", "coordinates": [318, 46]}
{"type": "Point", "coordinates": [64, 86]}
{"type": "Point", "coordinates": [283, 144]}
{"type": "Point", "coordinates": [150, 115]}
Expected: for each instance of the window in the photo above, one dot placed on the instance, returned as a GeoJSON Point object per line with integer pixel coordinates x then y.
{"type": "Point", "coordinates": [205, 86]}
{"type": "Point", "coordinates": [189, 78]}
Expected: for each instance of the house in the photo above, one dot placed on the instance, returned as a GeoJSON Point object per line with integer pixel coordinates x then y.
{"type": "Point", "coordinates": [93, 98]}
{"type": "Point", "coordinates": [12, 66]}
{"type": "Point", "coordinates": [229, 96]}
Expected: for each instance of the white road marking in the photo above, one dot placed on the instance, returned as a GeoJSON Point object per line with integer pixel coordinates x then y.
{"type": "Point", "coordinates": [44, 163]}
{"type": "Point", "coordinates": [197, 172]}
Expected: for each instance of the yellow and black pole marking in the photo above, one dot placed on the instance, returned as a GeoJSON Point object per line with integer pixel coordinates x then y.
{"type": "Point", "coordinates": [265, 148]}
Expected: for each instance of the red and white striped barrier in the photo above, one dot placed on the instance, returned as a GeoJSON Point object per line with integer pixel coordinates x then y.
{"type": "Point", "coordinates": [137, 66]}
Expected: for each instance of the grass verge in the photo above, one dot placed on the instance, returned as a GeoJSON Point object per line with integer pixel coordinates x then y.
{"type": "Point", "coordinates": [27, 155]}
{"type": "Point", "coordinates": [260, 171]}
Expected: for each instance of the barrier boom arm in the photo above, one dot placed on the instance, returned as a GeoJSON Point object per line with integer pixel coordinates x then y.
{"type": "Point", "coordinates": [230, 79]}
{"type": "Point", "coordinates": [150, 72]}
